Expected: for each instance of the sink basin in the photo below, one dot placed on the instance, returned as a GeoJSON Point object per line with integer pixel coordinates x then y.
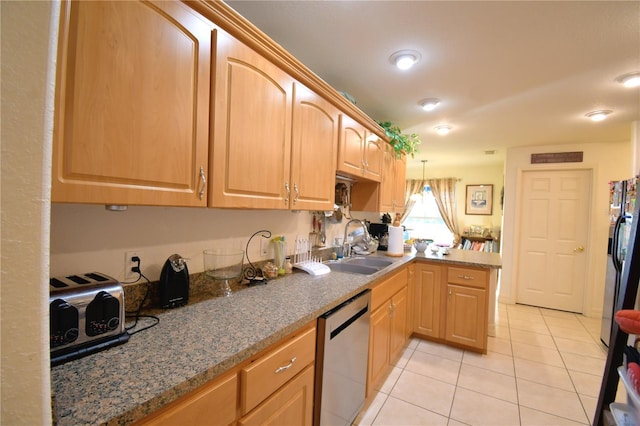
{"type": "Point", "coordinates": [360, 265]}
{"type": "Point", "coordinates": [353, 269]}
{"type": "Point", "coordinates": [369, 261]}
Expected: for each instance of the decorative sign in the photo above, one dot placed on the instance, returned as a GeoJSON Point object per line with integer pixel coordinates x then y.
{"type": "Point", "coordinates": [557, 157]}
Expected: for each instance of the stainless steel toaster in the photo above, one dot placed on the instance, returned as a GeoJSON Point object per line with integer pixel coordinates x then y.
{"type": "Point", "coordinates": [86, 314]}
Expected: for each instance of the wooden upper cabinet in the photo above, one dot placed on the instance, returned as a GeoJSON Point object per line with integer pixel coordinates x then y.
{"type": "Point", "coordinates": [388, 179]}
{"type": "Point", "coordinates": [373, 153]}
{"type": "Point", "coordinates": [393, 182]}
{"type": "Point", "coordinates": [251, 147]}
{"type": "Point", "coordinates": [359, 155]}
{"type": "Point", "coordinates": [314, 151]}
{"type": "Point", "coordinates": [399, 182]}
{"type": "Point", "coordinates": [132, 104]}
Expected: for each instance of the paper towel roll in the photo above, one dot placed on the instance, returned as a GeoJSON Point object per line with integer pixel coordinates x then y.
{"type": "Point", "coordinates": [396, 242]}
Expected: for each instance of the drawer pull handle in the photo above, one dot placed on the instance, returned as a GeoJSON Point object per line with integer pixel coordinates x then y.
{"type": "Point", "coordinates": [465, 277]}
{"type": "Point", "coordinates": [286, 367]}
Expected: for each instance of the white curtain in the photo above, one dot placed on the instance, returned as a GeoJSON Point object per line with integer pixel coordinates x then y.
{"type": "Point", "coordinates": [444, 191]}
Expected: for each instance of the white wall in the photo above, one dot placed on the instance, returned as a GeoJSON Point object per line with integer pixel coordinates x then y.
{"type": "Point", "coordinates": [486, 174]}
{"type": "Point", "coordinates": [610, 161]}
{"type": "Point", "coordinates": [88, 238]}
{"type": "Point", "coordinates": [27, 102]}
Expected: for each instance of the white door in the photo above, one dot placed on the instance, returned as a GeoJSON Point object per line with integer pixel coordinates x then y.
{"type": "Point", "coordinates": [554, 217]}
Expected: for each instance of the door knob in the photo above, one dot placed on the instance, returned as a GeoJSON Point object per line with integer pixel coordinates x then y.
{"type": "Point", "coordinates": [578, 249]}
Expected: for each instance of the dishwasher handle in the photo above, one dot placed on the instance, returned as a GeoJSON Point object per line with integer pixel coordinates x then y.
{"type": "Point", "coordinates": [348, 322]}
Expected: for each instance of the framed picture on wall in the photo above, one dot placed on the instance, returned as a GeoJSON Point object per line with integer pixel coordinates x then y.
{"type": "Point", "coordinates": [479, 199]}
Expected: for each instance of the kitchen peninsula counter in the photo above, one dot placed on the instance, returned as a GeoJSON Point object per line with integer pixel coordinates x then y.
{"type": "Point", "coordinates": [196, 343]}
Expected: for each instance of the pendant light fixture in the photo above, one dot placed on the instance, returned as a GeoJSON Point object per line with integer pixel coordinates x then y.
{"type": "Point", "coordinates": [416, 197]}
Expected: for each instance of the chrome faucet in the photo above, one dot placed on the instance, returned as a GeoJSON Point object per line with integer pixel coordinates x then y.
{"type": "Point", "coordinates": [347, 244]}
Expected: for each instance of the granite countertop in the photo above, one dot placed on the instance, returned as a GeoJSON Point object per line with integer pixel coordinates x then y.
{"type": "Point", "coordinates": [196, 343]}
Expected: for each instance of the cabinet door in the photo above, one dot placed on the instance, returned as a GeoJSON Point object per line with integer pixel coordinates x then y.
{"type": "Point", "coordinates": [427, 284]}
{"type": "Point", "coordinates": [314, 151]}
{"type": "Point", "coordinates": [373, 153]}
{"type": "Point", "coordinates": [399, 183]}
{"type": "Point", "coordinates": [215, 403]}
{"type": "Point", "coordinates": [387, 184]}
{"type": "Point", "coordinates": [379, 338]}
{"type": "Point", "coordinates": [466, 316]}
{"type": "Point", "coordinates": [132, 104]}
{"type": "Point", "coordinates": [250, 162]}
{"type": "Point", "coordinates": [399, 312]}
{"type": "Point", "coordinates": [292, 404]}
{"type": "Point", "coordinates": [351, 146]}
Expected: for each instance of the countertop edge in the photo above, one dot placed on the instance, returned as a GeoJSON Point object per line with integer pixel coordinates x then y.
{"type": "Point", "coordinates": [168, 396]}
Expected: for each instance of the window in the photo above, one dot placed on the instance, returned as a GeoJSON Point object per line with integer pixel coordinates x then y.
{"type": "Point", "coordinates": [425, 221]}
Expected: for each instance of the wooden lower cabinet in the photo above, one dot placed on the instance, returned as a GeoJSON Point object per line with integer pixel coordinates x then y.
{"type": "Point", "coordinates": [426, 288]}
{"type": "Point", "coordinates": [213, 404]}
{"type": "Point", "coordinates": [398, 336]}
{"type": "Point", "coordinates": [292, 404]}
{"type": "Point", "coordinates": [388, 326]}
{"type": "Point", "coordinates": [466, 316]}
{"type": "Point", "coordinates": [274, 387]}
{"type": "Point", "coordinates": [451, 304]}
{"type": "Point", "coordinates": [379, 338]}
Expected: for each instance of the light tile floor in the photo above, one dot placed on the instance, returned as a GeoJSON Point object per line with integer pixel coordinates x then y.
{"type": "Point", "coordinates": [544, 367]}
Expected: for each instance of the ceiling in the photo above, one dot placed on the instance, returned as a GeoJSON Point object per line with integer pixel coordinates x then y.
{"type": "Point", "coordinates": [508, 73]}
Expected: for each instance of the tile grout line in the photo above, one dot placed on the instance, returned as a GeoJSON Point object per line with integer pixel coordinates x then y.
{"type": "Point", "coordinates": [515, 372]}
{"type": "Point", "coordinates": [584, 409]}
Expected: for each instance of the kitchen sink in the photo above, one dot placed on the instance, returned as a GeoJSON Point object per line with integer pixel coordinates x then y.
{"type": "Point", "coordinates": [360, 265]}
{"type": "Point", "coordinates": [353, 269]}
{"type": "Point", "coordinates": [369, 261]}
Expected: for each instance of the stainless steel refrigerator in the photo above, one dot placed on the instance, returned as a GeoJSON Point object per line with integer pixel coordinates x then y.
{"type": "Point", "coordinates": [622, 200]}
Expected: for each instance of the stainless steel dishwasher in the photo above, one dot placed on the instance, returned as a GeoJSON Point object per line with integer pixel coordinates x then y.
{"type": "Point", "coordinates": [341, 361]}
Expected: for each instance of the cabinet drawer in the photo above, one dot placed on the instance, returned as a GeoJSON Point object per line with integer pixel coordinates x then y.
{"type": "Point", "coordinates": [383, 291]}
{"type": "Point", "coordinates": [265, 375]}
{"type": "Point", "coordinates": [467, 277]}
{"type": "Point", "coordinates": [219, 397]}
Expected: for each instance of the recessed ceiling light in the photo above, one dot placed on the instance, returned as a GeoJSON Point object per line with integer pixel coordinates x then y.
{"type": "Point", "coordinates": [598, 115]}
{"type": "Point", "coordinates": [405, 59]}
{"type": "Point", "coordinates": [429, 104]}
{"type": "Point", "coordinates": [443, 129]}
{"type": "Point", "coordinates": [631, 79]}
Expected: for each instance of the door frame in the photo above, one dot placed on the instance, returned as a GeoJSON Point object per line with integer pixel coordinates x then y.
{"type": "Point", "coordinates": [590, 286]}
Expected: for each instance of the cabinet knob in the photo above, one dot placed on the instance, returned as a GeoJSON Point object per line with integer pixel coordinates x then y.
{"type": "Point", "coordinates": [449, 292]}
{"type": "Point", "coordinates": [465, 277]}
{"type": "Point", "coordinates": [297, 193]}
{"type": "Point", "coordinates": [203, 183]}
{"type": "Point", "coordinates": [578, 249]}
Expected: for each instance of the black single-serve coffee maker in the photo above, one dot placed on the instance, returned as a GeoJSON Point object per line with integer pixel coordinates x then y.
{"type": "Point", "coordinates": [174, 282]}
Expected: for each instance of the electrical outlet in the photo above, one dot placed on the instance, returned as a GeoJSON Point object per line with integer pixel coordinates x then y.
{"type": "Point", "coordinates": [129, 264]}
{"type": "Point", "coordinates": [264, 247]}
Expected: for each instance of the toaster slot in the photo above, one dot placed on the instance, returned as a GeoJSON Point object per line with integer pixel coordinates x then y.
{"type": "Point", "coordinates": [56, 283]}
{"type": "Point", "coordinates": [63, 323]}
{"type": "Point", "coordinates": [78, 279]}
{"type": "Point", "coordinates": [103, 314]}
{"type": "Point", "coordinates": [96, 277]}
